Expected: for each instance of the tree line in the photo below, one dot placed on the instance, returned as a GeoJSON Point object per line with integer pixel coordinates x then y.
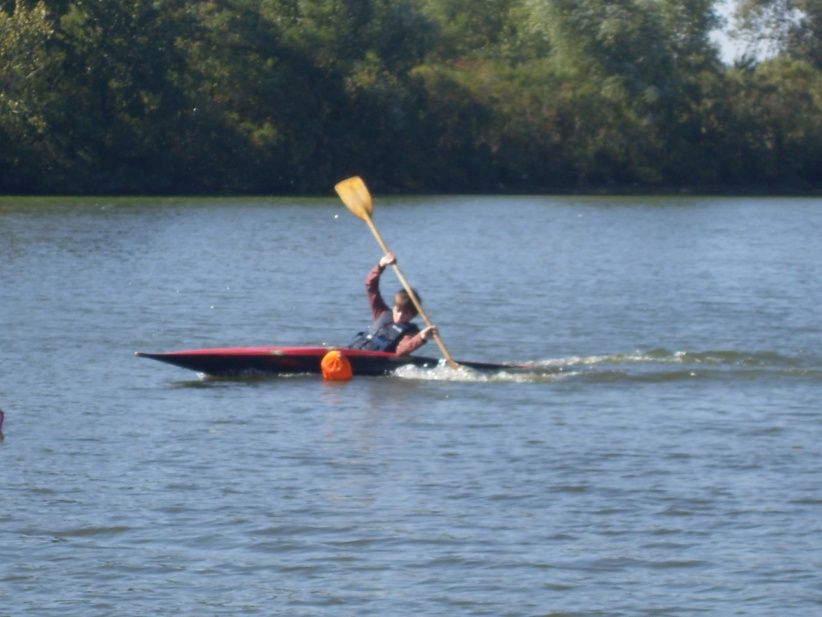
{"type": "Point", "coordinates": [289, 96]}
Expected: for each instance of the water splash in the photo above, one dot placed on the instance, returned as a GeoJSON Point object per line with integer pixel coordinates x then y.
{"type": "Point", "coordinates": [652, 365]}
{"type": "Point", "coordinates": [535, 373]}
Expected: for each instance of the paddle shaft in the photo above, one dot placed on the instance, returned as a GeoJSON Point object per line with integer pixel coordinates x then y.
{"type": "Point", "coordinates": [411, 294]}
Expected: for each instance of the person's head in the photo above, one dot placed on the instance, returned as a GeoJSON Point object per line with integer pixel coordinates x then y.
{"type": "Point", "coordinates": [404, 309]}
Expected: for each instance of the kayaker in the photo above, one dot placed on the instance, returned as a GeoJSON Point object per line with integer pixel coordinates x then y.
{"type": "Point", "coordinates": [391, 330]}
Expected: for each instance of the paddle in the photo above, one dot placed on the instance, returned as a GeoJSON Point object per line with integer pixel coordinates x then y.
{"type": "Point", "coordinates": [356, 197]}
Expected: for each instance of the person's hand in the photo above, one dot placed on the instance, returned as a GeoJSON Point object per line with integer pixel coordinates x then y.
{"type": "Point", "coordinates": [429, 333]}
{"type": "Point", "coordinates": [387, 259]}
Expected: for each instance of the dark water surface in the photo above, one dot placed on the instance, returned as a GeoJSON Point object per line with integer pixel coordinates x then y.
{"type": "Point", "coordinates": [663, 458]}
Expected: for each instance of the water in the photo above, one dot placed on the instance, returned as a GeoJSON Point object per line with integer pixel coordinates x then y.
{"type": "Point", "coordinates": [663, 458]}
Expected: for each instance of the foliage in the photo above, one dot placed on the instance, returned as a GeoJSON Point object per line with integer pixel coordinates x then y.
{"type": "Point", "coordinates": [24, 66]}
{"type": "Point", "coordinates": [289, 96]}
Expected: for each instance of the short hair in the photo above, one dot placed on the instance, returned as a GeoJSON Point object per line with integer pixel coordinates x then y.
{"type": "Point", "coordinates": [404, 302]}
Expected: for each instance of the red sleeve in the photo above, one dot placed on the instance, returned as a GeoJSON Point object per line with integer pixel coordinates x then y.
{"type": "Point", "coordinates": [372, 288]}
{"type": "Point", "coordinates": [409, 343]}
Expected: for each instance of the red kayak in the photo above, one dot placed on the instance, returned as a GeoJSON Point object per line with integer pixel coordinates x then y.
{"type": "Point", "coordinates": [238, 361]}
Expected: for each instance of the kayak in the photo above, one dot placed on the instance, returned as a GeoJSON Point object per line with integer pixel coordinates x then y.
{"type": "Point", "coordinates": [239, 361]}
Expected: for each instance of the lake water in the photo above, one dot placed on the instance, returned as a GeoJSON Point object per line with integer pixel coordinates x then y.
{"type": "Point", "coordinates": [664, 457]}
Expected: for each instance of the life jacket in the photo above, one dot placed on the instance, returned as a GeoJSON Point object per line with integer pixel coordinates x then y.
{"type": "Point", "coordinates": [383, 335]}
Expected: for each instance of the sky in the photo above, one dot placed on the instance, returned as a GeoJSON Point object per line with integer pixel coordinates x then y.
{"type": "Point", "coordinates": [729, 49]}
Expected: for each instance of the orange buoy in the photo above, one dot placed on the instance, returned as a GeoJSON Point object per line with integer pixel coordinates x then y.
{"type": "Point", "coordinates": [335, 366]}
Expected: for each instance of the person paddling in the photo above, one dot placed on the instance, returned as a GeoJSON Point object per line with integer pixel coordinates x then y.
{"type": "Point", "coordinates": [391, 330]}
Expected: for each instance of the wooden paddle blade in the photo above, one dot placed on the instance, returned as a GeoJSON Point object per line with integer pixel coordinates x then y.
{"type": "Point", "coordinates": [356, 197]}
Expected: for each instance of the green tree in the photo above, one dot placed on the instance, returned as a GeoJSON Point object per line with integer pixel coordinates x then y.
{"type": "Point", "coordinates": [287, 96]}
{"type": "Point", "coordinates": [646, 61]}
{"type": "Point", "coordinates": [777, 130]}
{"type": "Point", "coordinates": [25, 65]}
{"type": "Point", "coordinates": [123, 101]}
{"type": "Point", "coordinates": [310, 87]}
